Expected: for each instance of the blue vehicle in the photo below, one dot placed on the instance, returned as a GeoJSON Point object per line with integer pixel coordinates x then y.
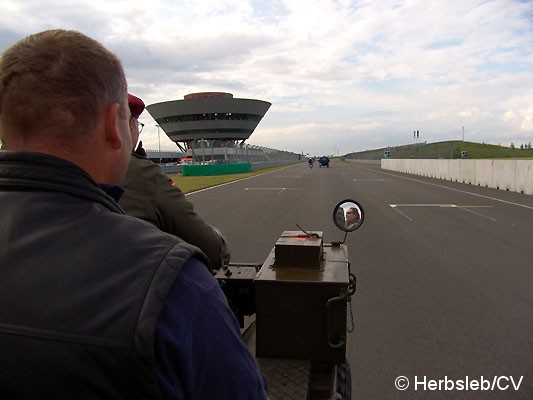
{"type": "Point", "coordinates": [323, 162]}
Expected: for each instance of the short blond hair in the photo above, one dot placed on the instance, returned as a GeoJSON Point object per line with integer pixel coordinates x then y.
{"type": "Point", "coordinates": [60, 80]}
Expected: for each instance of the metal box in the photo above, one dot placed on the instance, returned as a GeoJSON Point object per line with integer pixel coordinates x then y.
{"type": "Point", "coordinates": [301, 313]}
{"type": "Point", "coordinates": [295, 249]}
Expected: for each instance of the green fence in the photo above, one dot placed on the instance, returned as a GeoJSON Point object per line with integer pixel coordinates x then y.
{"type": "Point", "coordinates": [216, 169]}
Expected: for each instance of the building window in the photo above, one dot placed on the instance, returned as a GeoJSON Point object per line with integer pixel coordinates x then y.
{"type": "Point", "coordinates": [209, 117]}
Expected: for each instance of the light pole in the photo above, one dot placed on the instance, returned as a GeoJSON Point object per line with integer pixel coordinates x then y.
{"type": "Point", "coordinates": [159, 140]}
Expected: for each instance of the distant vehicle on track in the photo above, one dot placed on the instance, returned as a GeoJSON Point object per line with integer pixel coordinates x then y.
{"type": "Point", "coordinates": [323, 162]}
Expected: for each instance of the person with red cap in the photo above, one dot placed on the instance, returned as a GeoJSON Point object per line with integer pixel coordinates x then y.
{"type": "Point", "coordinates": [96, 304]}
{"type": "Point", "coordinates": [149, 195]}
{"type": "Point", "coordinates": [136, 106]}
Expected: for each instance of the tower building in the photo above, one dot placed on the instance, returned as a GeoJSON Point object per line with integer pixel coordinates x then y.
{"type": "Point", "coordinates": [211, 124]}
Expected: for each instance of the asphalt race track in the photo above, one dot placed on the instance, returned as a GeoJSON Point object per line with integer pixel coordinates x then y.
{"type": "Point", "coordinates": [444, 299]}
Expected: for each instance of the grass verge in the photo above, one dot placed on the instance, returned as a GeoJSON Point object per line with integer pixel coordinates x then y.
{"type": "Point", "coordinates": [188, 184]}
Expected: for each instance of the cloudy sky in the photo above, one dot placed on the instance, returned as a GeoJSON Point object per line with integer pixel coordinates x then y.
{"type": "Point", "coordinates": [341, 75]}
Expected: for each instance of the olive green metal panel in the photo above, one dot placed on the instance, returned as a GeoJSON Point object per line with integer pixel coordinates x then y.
{"type": "Point", "coordinates": [296, 249]}
{"type": "Point", "coordinates": [301, 313]}
{"type": "Point", "coordinates": [335, 270]}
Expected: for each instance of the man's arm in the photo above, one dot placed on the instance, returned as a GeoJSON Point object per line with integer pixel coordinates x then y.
{"type": "Point", "coordinates": [199, 350]}
{"type": "Point", "coordinates": [179, 218]}
{"type": "Point", "coordinates": [150, 196]}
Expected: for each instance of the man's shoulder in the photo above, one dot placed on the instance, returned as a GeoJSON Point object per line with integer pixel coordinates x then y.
{"type": "Point", "coordinates": [141, 162]}
{"type": "Point", "coordinates": [128, 226]}
{"type": "Point", "coordinates": [146, 240]}
{"type": "Point", "coordinates": [141, 173]}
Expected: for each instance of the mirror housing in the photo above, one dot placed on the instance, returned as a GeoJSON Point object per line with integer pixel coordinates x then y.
{"type": "Point", "coordinates": [348, 215]}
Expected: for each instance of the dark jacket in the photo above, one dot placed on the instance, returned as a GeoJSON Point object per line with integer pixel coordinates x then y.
{"type": "Point", "coordinates": [150, 196]}
{"type": "Point", "coordinates": [81, 285]}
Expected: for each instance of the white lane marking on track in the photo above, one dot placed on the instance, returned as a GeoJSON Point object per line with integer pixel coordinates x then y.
{"type": "Point", "coordinates": [423, 205]}
{"type": "Point", "coordinates": [235, 181]}
{"type": "Point", "coordinates": [455, 190]}
{"type": "Point", "coordinates": [393, 206]}
{"type": "Point", "coordinates": [476, 213]}
{"type": "Point", "coordinates": [271, 188]}
{"type": "Point", "coordinates": [280, 190]}
{"type": "Point", "coordinates": [466, 208]}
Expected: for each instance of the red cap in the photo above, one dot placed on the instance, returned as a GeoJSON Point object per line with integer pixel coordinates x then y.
{"type": "Point", "coordinates": [136, 105]}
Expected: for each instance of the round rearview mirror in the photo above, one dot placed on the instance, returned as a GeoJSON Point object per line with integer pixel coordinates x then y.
{"type": "Point", "coordinates": [348, 215]}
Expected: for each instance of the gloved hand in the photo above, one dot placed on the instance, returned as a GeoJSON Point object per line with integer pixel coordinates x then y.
{"type": "Point", "coordinates": [225, 255]}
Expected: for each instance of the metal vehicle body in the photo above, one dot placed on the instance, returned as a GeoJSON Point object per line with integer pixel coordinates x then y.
{"type": "Point", "coordinates": [323, 162]}
{"type": "Point", "coordinates": [301, 353]}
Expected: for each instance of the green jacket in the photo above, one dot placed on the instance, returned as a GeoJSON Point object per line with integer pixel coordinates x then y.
{"type": "Point", "coordinates": [150, 196]}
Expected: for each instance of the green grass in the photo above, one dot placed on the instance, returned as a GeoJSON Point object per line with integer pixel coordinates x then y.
{"type": "Point", "coordinates": [450, 149]}
{"type": "Point", "coordinates": [189, 184]}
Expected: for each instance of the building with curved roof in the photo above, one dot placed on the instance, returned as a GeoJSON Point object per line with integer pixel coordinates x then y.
{"type": "Point", "coordinates": [212, 120]}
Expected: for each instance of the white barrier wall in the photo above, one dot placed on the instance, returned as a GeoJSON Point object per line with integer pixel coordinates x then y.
{"type": "Point", "coordinates": [512, 175]}
{"type": "Point", "coordinates": [524, 176]}
{"type": "Point", "coordinates": [483, 171]}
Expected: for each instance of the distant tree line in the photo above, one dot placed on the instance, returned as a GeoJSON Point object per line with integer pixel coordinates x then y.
{"type": "Point", "coordinates": [527, 146]}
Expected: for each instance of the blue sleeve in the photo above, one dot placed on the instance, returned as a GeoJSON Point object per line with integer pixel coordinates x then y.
{"type": "Point", "coordinates": [199, 350]}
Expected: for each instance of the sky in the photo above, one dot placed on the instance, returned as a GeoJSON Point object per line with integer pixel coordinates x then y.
{"type": "Point", "coordinates": [342, 76]}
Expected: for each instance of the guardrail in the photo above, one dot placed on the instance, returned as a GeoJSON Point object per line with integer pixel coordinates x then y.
{"type": "Point", "coordinates": [511, 175]}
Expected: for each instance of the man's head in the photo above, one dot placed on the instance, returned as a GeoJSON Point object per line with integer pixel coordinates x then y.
{"type": "Point", "coordinates": [136, 106]}
{"type": "Point", "coordinates": [63, 93]}
{"type": "Point", "coordinates": [352, 215]}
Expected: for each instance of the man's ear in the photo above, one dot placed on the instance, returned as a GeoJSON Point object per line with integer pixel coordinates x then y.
{"type": "Point", "coordinates": [112, 122]}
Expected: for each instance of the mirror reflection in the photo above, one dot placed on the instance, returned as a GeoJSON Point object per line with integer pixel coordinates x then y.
{"type": "Point", "coordinates": [348, 215]}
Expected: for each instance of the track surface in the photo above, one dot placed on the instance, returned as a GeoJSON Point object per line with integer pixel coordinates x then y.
{"type": "Point", "coordinates": [445, 272]}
